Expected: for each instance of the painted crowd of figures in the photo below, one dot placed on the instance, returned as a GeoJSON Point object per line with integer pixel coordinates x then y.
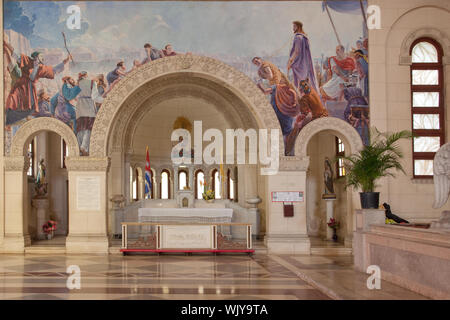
{"type": "Point", "coordinates": [78, 101]}
{"type": "Point", "coordinates": [296, 101]}
{"type": "Point", "coordinates": [304, 99]}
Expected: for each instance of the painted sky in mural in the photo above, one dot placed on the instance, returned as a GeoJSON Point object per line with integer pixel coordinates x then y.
{"type": "Point", "coordinates": [233, 32]}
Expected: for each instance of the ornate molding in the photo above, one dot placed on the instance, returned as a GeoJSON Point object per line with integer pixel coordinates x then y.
{"type": "Point", "coordinates": [87, 163]}
{"type": "Point", "coordinates": [16, 163]}
{"type": "Point", "coordinates": [129, 91]}
{"type": "Point", "coordinates": [37, 125]}
{"type": "Point", "coordinates": [436, 34]}
{"type": "Point", "coordinates": [295, 163]}
{"type": "Point", "coordinates": [340, 128]}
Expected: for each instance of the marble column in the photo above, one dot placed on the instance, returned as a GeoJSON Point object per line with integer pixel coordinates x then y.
{"type": "Point", "coordinates": [16, 236]}
{"type": "Point", "coordinates": [88, 232]}
{"type": "Point", "coordinates": [42, 215]}
{"type": "Point", "coordinates": [330, 214]}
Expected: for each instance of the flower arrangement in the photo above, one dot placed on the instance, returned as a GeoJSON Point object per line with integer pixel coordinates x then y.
{"type": "Point", "coordinates": [207, 194]}
{"type": "Point", "coordinates": [49, 227]}
{"type": "Point", "coordinates": [333, 224]}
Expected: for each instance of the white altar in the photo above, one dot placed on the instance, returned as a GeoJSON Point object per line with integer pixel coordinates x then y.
{"type": "Point", "coordinates": [181, 215]}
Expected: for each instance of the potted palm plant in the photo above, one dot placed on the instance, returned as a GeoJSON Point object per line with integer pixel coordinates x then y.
{"type": "Point", "coordinates": [376, 160]}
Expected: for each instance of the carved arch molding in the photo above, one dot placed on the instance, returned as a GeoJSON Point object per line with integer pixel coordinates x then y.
{"type": "Point", "coordinates": [133, 90]}
{"type": "Point", "coordinates": [35, 126]}
{"type": "Point", "coordinates": [340, 128]}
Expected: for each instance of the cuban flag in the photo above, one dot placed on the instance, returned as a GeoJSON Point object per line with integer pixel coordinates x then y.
{"type": "Point", "coordinates": [148, 180]}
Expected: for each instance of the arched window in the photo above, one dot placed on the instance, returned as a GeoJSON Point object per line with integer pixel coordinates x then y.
{"type": "Point", "coordinates": [340, 152]}
{"type": "Point", "coordinates": [165, 186]}
{"type": "Point", "coordinates": [182, 179]}
{"type": "Point", "coordinates": [31, 156]}
{"type": "Point", "coordinates": [136, 185]}
{"type": "Point", "coordinates": [199, 184]}
{"type": "Point", "coordinates": [427, 104]}
{"type": "Point", "coordinates": [230, 185]}
{"type": "Point", "coordinates": [216, 184]}
{"type": "Point", "coordinates": [64, 153]}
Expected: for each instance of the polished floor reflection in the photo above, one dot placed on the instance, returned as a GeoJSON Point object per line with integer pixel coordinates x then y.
{"type": "Point", "coordinates": [187, 277]}
{"type": "Point", "coordinates": [151, 277]}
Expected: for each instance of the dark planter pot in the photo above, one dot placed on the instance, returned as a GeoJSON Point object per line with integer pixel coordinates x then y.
{"type": "Point", "coordinates": [370, 200]}
{"type": "Point", "coordinates": [335, 237]}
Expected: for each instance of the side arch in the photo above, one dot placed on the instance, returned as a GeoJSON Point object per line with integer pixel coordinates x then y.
{"type": "Point", "coordinates": [340, 128]}
{"type": "Point", "coordinates": [35, 126]}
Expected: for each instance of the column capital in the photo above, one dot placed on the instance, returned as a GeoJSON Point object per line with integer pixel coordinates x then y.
{"type": "Point", "coordinates": [16, 163]}
{"type": "Point", "coordinates": [87, 163]}
{"type": "Point", "coordinates": [294, 163]}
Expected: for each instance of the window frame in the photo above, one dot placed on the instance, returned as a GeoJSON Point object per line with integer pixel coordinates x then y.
{"type": "Point", "coordinates": [63, 153]}
{"type": "Point", "coordinates": [168, 185]}
{"type": "Point", "coordinates": [136, 179]}
{"type": "Point", "coordinates": [179, 180]}
{"type": "Point", "coordinates": [32, 158]}
{"type": "Point", "coordinates": [339, 155]}
{"type": "Point", "coordinates": [196, 183]}
{"type": "Point", "coordinates": [439, 110]}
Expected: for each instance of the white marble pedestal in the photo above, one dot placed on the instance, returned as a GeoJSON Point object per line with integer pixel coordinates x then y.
{"type": "Point", "coordinates": [330, 214]}
{"type": "Point", "coordinates": [41, 206]}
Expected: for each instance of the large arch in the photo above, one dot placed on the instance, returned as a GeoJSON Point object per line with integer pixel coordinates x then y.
{"type": "Point", "coordinates": [131, 91]}
{"type": "Point", "coordinates": [338, 127]}
{"type": "Point", "coordinates": [37, 125]}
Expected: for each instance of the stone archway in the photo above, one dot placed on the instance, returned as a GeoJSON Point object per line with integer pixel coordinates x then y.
{"type": "Point", "coordinates": [353, 143]}
{"type": "Point", "coordinates": [128, 94]}
{"type": "Point", "coordinates": [339, 127]}
{"type": "Point", "coordinates": [33, 127]}
{"type": "Point", "coordinates": [16, 164]}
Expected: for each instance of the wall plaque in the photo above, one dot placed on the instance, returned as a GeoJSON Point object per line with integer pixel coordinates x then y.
{"type": "Point", "coordinates": [287, 196]}
{"type": "Point", "coordinates": [88, 193]}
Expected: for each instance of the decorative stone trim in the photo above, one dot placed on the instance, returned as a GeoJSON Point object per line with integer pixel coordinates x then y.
{"type": "Point", "coordinates": [294, 163]}
{"type": "Point", "coordinates": [436, 34]}
{"type": "Point", "coordinates": [87, 163]}
{"type": "Point", "coordinates": [16, 163]}
{"type": "Point", "coordinates": [340, 128]}
{"type": "Point", "coordinates": [127, 93]}
{"type": "Point", "coordinates": [37, 125]}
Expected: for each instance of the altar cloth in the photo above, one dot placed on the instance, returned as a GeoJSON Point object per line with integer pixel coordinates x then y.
{"type": "Point", "coordinates": [198, 215]}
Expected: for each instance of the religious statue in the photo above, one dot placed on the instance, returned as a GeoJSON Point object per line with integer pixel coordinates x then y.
{"type": "Point", "coordinates": [41, 185]}
{"type": "Point", "coordinates": [328, 181]}
{"type": "Point", "coordinates": [441, 176]}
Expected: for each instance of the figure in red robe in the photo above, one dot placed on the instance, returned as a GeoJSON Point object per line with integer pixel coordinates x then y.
{"type": "Point", "coordinates": [22, 99]}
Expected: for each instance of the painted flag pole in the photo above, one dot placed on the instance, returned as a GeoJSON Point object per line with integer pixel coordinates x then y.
{"type": "Point", "coordinates": [148, 180]}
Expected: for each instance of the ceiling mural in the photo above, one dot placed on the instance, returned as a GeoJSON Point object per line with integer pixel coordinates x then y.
{"type": "Point", "coordinates": [62, 59]}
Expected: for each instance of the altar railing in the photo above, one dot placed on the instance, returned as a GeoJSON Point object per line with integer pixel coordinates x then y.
{"type": "Point", "coordinates": [183, 237]}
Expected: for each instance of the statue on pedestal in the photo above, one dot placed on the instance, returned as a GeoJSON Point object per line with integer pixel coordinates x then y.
{"type": "Point", "coordinates": [40, 185]}
{"type": "Point", "coordinates": [441, 178]}
{"type": "Point", "coordinates": [328, 181]}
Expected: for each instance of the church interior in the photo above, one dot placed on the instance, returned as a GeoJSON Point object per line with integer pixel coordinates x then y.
{"type": "Point", "coordinates": [220, 171]}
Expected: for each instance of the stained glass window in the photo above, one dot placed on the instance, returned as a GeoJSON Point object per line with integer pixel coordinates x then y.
{"type": "Point", "coordinates": [427, 104]}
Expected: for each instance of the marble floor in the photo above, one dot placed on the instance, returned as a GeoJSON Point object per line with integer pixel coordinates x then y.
{"type": "Point", "coordinates": [201, 277]}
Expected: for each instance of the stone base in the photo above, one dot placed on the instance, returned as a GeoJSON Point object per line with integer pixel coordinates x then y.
{"type": "Point", "coordinates": [287, 244]}
{"type": "Point", "coordinates": [87, 244]}
{"type": "Point", "coordinates": [15, 244]}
